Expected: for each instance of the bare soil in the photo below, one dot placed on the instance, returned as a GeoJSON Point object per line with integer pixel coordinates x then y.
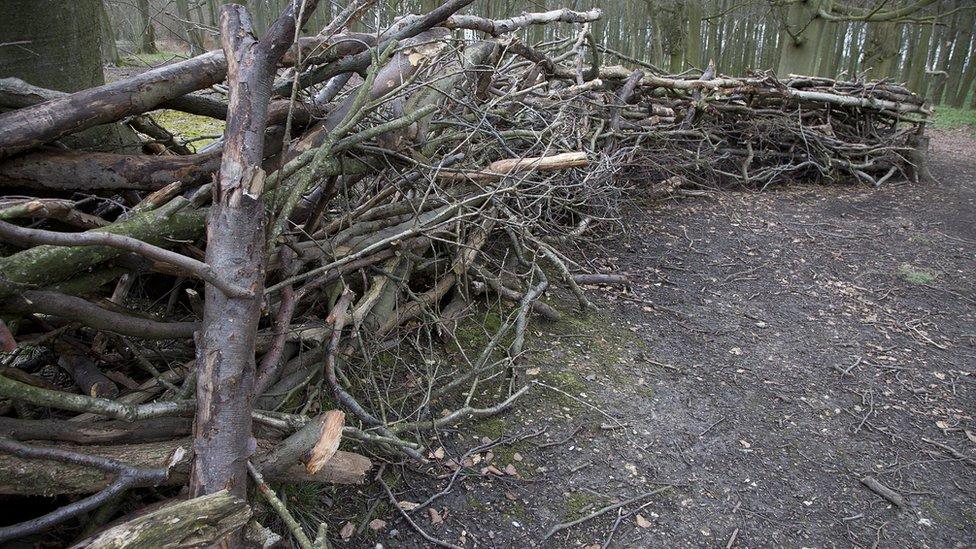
{"type": "Point", "coordinates": [774, 350]}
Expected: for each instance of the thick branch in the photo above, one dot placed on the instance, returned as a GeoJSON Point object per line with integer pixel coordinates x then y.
{"type": "Point", "coordinates": [33, 237]}
{"type": "Point", "coordinates": [91, 315]}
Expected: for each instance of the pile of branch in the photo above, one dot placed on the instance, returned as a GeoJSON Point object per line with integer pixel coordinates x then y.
{"type": "Point", "coordinates": [369, 192]}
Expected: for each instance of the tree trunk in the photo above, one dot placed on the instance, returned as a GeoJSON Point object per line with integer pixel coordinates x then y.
{"type": "Point", "coordinates": [917, 80]}
{"type": "Point", "coordinates": [147, 35]}
{"type": "Point", "coordinates": [193, 36]}
{"type": "Point", "coordinates": [912, 35]}
{"type": "Point", "coordinates": [803, 31]}
{"type": "Point", "coordinates": [966, 80]}
{"type": "Point", "coordinates": [942, 63]}
{"type": "Point", "coordinates": [825, 59]}
{"type": "Point", "coordinates": [693, 34]}
{"type": "Point", "coordinates": [657, 45]}
{"type": "Point", "coordinates": [110, 53]}
{"type": "Point", "coordinates": [55, 43]}
{"type": "Point", "coordinates": [236, 248]}
{"type": "Point", "coordinates": [881, 50]}
{"type": "Point", "coordinates": [715, 35]}
{"type": "Point", "coordinates": [960, 52]}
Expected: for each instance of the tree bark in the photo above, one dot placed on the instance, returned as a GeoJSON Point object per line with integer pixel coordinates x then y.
{"type": "Point", "coordinates": [236, 249]}
{"type": "Point", "coordinates": [967, 78]}
{"type": "Point", "coordinates": [917, 80]}
{"type": "Point", "coordinates": [960, 53]}
{"type": "Point", "coordinates": [802, 33]}
{"type": "Point", "coordinates": [193, 36]}
{"type": "Point", "coordinates": [198, 522]}
{"type": "Point", "coordinates": [61, 170]}
{"type": "Point", "coordinates": [693, 34]}
{"type": "Point", "coordinates": [881, 49]}
{"type": "Point", "coordinates": [46, 477]}
{"type": "Point", "coordinates": [147, 34]}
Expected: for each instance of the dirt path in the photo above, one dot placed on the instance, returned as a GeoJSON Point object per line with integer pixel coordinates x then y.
{"type": "Point", "coordinates": [775, 349]}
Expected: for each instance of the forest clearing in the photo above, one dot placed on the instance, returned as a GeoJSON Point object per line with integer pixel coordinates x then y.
{"type": "Point", "coordinates": [290, 273]}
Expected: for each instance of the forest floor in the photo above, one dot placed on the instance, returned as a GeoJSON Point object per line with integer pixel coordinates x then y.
{"type": "Point", "coordinates": [774, 350]}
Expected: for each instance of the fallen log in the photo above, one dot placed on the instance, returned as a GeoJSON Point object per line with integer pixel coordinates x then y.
{"type": "Point", "coordinates": [66, 170]}
{"type": "Point", "coordinates": [89, 314]}
{"type": "Point", "coordinates": [43, 123]}
{"type": "Point", "coordinates": [197, 522]}
{"type": "Point", "coordinates": [96, 432]}
{"type": "Point", "coordinates": [47, 477]}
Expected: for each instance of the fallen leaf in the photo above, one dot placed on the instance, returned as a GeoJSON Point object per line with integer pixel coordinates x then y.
{"type": "Point", "coordinates": [435, 517]}
{"type": "Point", "coordinates": [971, 436]}
{"type": "Point", "coordinates": [745, 444]}
{"type": "Point", "coordinates": [491, 469]}
{"type": "Point", "coordinates": [510, 470]}
{"type": "Point", "coordinates": [510, 496]}
{"type": "Point", "coordinates": [377, 524]}
{"type": "Point", "coordinates": [517, 456]}
{"type": "Point", "coordinates": [408, 505]}
{"type": "Point", "coordinates": [631, 468]}
{"type": "Point", "coordinates": [533, 371]}
{"type": "Point", "coordinates": [347, 531]}
{"type": "Point", "coordinates": [438, 453]}
{"type": "Point", "coordinates": [941, 424]}
{"type": "Point", "coordinates": [643, 522]}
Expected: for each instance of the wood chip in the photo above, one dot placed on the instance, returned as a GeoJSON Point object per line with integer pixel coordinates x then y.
{"type": "Point", "coordinates": [328, 442]}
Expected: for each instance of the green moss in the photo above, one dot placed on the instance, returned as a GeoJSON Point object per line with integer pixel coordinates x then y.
{"type": "Point", "coordinates": [518, 512]}
{"type": "Point", "coordinates": [915, 275]}
{"type": "Point", "coordinates": [202, 130]}
{"type": "Point", "coordinates": [567, 382]}
{"type": "Point", "coordinates": [578, 504]}
{"type": "Point", "coordinates": [492, 427]}
{"type": "Point", "coordinates": [474, 332]}
{"type": "Point", "coordinates": [949, 118]}
{"type": "Point", "coordinates": [477, 504]}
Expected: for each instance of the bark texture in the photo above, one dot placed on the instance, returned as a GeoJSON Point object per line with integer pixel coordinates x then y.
{"type": "Point", "coordinates": [198, 522]}
{"type": "Point", "coordinates": [225, 354]}
{"type": "Point", "coordinates": [48, 477]}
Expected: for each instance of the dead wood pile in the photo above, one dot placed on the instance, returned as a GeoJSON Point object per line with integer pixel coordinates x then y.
{"type": "Point", "coordinates": [372, 189]}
